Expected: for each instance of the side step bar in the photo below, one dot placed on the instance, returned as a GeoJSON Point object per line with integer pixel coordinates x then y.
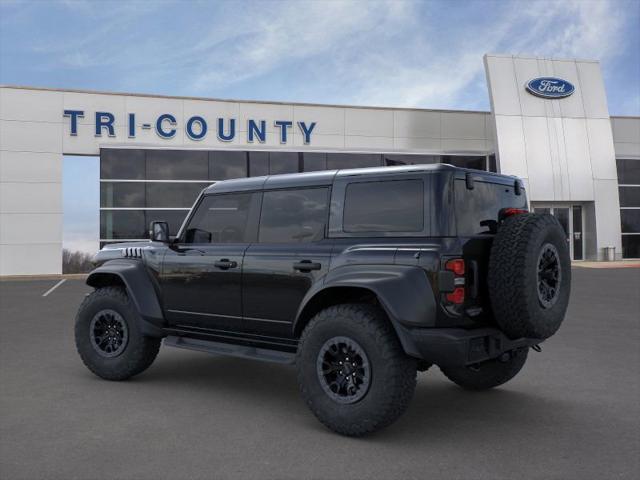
{"type": "Point", "coordinates": [242, 351]}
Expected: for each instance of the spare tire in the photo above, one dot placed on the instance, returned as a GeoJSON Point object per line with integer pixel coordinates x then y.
{"type": "Point", "coordinates": [529, 276]}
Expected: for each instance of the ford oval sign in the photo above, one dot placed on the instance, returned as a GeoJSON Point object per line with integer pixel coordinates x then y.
{"type": "Point", "coordinates": [550, 87]}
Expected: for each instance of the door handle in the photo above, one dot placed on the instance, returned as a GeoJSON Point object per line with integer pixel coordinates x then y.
{"type": "Point", "coordinates": [225, 264]}
{"type": "Point", "coordinates": [306, 266]}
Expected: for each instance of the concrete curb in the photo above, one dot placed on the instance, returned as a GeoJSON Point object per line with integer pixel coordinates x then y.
{"type": "Point", "coordinates": [21, 278]}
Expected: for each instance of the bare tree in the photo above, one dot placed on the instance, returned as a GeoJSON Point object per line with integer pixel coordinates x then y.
{"type": "Point", "coordinates": [76, 262]}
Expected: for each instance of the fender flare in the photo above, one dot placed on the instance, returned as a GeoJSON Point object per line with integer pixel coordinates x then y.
{"type": "Point", "coordinates": [404, 292]}
{"type": "Point", "coordinates": [140, 288]}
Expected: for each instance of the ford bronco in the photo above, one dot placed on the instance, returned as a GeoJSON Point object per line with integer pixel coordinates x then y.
{"type": "Point", "coordinates": [359, 277]}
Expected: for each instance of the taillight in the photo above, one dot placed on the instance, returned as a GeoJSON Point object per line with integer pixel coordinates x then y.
{"type": "Point", "coordinates": [457, 296]}
{"type": "Point", "coordinates": [509, 212]}
{"type": "Point", "coordinates": [456, 266]}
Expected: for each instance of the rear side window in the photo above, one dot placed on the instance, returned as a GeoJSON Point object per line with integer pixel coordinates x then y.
{"type": "Point", "coordinates": [294, 216]}
{"type": "Point", "coordinates": [387, 206]}
{"type": "Point", "coordinates": [223, 219]}
{"type": "Point", "coordinates": [477, 210]}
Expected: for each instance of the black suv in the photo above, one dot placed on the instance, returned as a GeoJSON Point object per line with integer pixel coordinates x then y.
{"type": "Point", "coordinates": [358, 277]}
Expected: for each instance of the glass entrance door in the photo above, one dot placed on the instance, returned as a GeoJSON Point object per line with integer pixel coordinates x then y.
{"type": "Point", "coordinates": [570, 217]}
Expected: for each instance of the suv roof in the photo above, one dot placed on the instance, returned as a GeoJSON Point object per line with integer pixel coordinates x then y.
{"type": "Point", "coordinates": [326, 177]}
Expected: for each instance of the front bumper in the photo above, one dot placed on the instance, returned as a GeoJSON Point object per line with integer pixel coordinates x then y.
{"type": "Point", "coordinates": [460, 347]}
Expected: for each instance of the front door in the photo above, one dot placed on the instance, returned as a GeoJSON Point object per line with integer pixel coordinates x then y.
{"type": "Point", "coordinates": [290, 256]}
{"type": "Point", "coordinates": [201, 278]}
{"type": "Point", "coordinates": [570, 217]}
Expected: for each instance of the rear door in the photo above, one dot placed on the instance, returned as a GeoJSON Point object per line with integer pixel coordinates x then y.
{"type": "Point", "coordinates": [291, 254]}
{"type": "Point", "coordinates": [201, 277]}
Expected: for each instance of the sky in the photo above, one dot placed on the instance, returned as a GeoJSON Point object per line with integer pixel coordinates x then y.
{"type": "Point", "coordinates": [379, 53]}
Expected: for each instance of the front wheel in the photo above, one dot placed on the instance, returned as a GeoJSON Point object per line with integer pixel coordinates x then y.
{"type": "Point", "coordinates": [108, 337]}
{"type": "Point", "coordinates": [487, 374]}
{"type": "Point", "coordinates": [352, 371]}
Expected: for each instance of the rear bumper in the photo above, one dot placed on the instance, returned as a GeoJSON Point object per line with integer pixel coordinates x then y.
{"type": "Point", "coordinates": [459, 347]}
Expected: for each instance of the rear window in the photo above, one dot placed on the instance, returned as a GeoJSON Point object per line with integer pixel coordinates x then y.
{"type": "Point", "coordinates": [477, 210]}
{"type": "Point", "coordinates": [386, 206]}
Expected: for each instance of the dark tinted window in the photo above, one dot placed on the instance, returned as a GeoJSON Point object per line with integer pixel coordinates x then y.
{"type": "Point", "coordinates": [388, 206]}
{"type": "Point", "coordinates": [314, 161]}
{"type": "Point", "coordinates": [628, 171]}
{"type": "Point", "coordinates": [293, 215]}
{"type": "Point", "coordinates": [175, 195]}
{"type": "Point", "coordinates": [493, 164]}
{"type": "Point", "coordinates": [475, 162]}
{"type": "Point", "coordinates": [129, 194]}
{"type": "Point", "coordinates": [122, 224]}
{"type": "Point", "coordinates": [177, 165]}
{"type": "Point", "coordinates": [391, 160]}
{"type": "Point", "coordinates": [173, 217]}
{"type": "Point", "coordinates": [223, 219]}
{"type": "Point", "coordinates": [225, 164]}
{"type": "Point", "coordinates": [630, 221]}
{"type": "Point", "coordinates": [631, 246]}
{"type": "Point", "coordinates": [629, 196]}
{"type": "Point", "coordinates": [477, 210]}
{"type": "Point", "coordinates": [258, 164]}
{"type": "Point", "coordinates": [122, 164]}
{"type": "Point", "coordinates": [283, 162]}
{"type": "Point", "coordinates": [353, 160]}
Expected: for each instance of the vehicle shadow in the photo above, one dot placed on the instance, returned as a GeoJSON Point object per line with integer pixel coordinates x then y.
{"type": "Point", "coordinates": [439, 412]}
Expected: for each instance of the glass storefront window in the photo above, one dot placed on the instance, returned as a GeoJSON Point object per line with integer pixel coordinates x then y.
{"type": "Point", "coordinates": [314, 161]}
{"type": "Point", "coordinates": [122, 224]}
{"type": "Point", "coordinates": [224, 165]}
{"type": "Point", "coordinates": [392, 160]}
{"type": "Point", "coordinates": [173, 195]}
{"type": "Point", "coordinates": [177, 165]}
{"type": "Point", "coordinates": [173, 217]}
{"type": "Point", "coordinates": [630, 221]}
{"type": "Point", "coordinates": [122, 164]}
{"type": "Point", "coordinates": [628, 171]}
{"type": "Point", "coordinates": [337, 161]}
{"type": "Point", "coordinates": [122, 194]}
{"type": "Point", "coordinates": [283, 162]}
{"type": "Point", "coordinates": [629, 196]}
{"type": "Point", "coordinates": [258, 164]}
{"type": "Point", "coordinates": [630, 246]}
{"type": "Point", "coordinates": [462, 161]}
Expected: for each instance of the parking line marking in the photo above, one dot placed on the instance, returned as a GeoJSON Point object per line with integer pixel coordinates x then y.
{"type": "Point", "coordinates": [54, 287]}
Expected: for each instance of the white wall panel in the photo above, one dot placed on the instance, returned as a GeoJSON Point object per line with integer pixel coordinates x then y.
{"type": "Point", "coordinates": [29, 259]}
{"type": "Point", "coordinates": [601, 149]}
{"type": "Point", "coordinates": [626, 130]}
{"type": "Point", "coordinates": [268, 112]}
{"type": "Point", "coordinates": [538, 154]}
{"type": "Point", "coordinates": [416, 124]}
{"type": "Point", "coordinates": [503, 85]}
{"type": "Point", "coordinates": [368, 143]}
{"type": "Point", "coordinates": [30, 197]}
{"type": "Point", "coordinates": [26, 228]}
{"type": "Point", "coordinates": [433, 145]}
{"type": "Point", "coordinates": [607, 210]}
{"type": "Point", "coordinates": [91, 103]}
{"type": "Point", "coordinates": [571, 106]}
{"type": "Point", "coordinates": [21, 136]}
{"type": "Point", "coordinates": [464, 126]}
{"type": "Point", "coordinates": [578, 159]}
{"type": "Point", "coordinates": [592, 84]}
{"type": "Point", "coordinates": [525, 70]}
{"type": "Point", "coordinates": [460, 145]}
{"type": "Point", "coordinates": [30, 105]}
{"type": "Point", "coordinates": [329, 120]}
{"type": "Point", "coordinates": [30, 167]}
{"type": "Point", "coordinates": [511, 146]}
{"type": "Point", "coordinates": [369, 122]}
{"type": "Point", "coordinates": [320, 142]}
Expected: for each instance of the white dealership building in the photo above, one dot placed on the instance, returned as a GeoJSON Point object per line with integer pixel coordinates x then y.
{"type": "Point", "coordinates": [549, 124]}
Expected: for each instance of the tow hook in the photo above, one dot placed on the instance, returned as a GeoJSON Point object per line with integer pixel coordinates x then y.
{"type": "Point", "coordinates": [536, 348]}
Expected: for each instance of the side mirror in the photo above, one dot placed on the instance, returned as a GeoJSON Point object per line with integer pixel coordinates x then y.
{"type": "Point", "coordinates": [159, 232]}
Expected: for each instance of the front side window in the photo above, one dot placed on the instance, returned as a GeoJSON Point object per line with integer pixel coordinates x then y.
{"type": "Point", "coordinates": [386, 206]}
{"type": "Point", "coordinates": [223, 219]}
{"type": "Point", "coordinates": [294, 216]}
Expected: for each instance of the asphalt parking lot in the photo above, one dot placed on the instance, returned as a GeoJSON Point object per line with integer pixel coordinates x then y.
{"type": "Point", "coordinates": [573, 412]}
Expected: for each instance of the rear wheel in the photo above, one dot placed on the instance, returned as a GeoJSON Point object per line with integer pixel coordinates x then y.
{"type": "Point", "coordinates": [108, 337]}
{"type": "Point", "coordinates": [529, 276]}
{"type": "Point", "coordinates": [487, 374]}
{"type": "Point", "coordinates": [352, 371]}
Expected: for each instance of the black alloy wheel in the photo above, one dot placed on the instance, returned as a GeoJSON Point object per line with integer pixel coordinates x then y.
{"type": "Point", "coordinates": [109, 333]}
{"type": "Point", "coordinates": [343, 370]}
{"type": "Point", "coordinates": [549, 275]}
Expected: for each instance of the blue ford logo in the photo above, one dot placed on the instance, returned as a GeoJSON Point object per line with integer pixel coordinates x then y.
{"type": "Point", "coordinates": [550, 87]}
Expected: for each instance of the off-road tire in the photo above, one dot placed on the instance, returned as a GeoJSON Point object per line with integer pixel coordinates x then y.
{"type": "Point", "coordinates": [513, 278]}
{"type": "Point", "coordinates": [487, 374]}
{"type": "Point", "coordinates": [140, 351]}
{"type": "Point", "coordinates": [393, 373]}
